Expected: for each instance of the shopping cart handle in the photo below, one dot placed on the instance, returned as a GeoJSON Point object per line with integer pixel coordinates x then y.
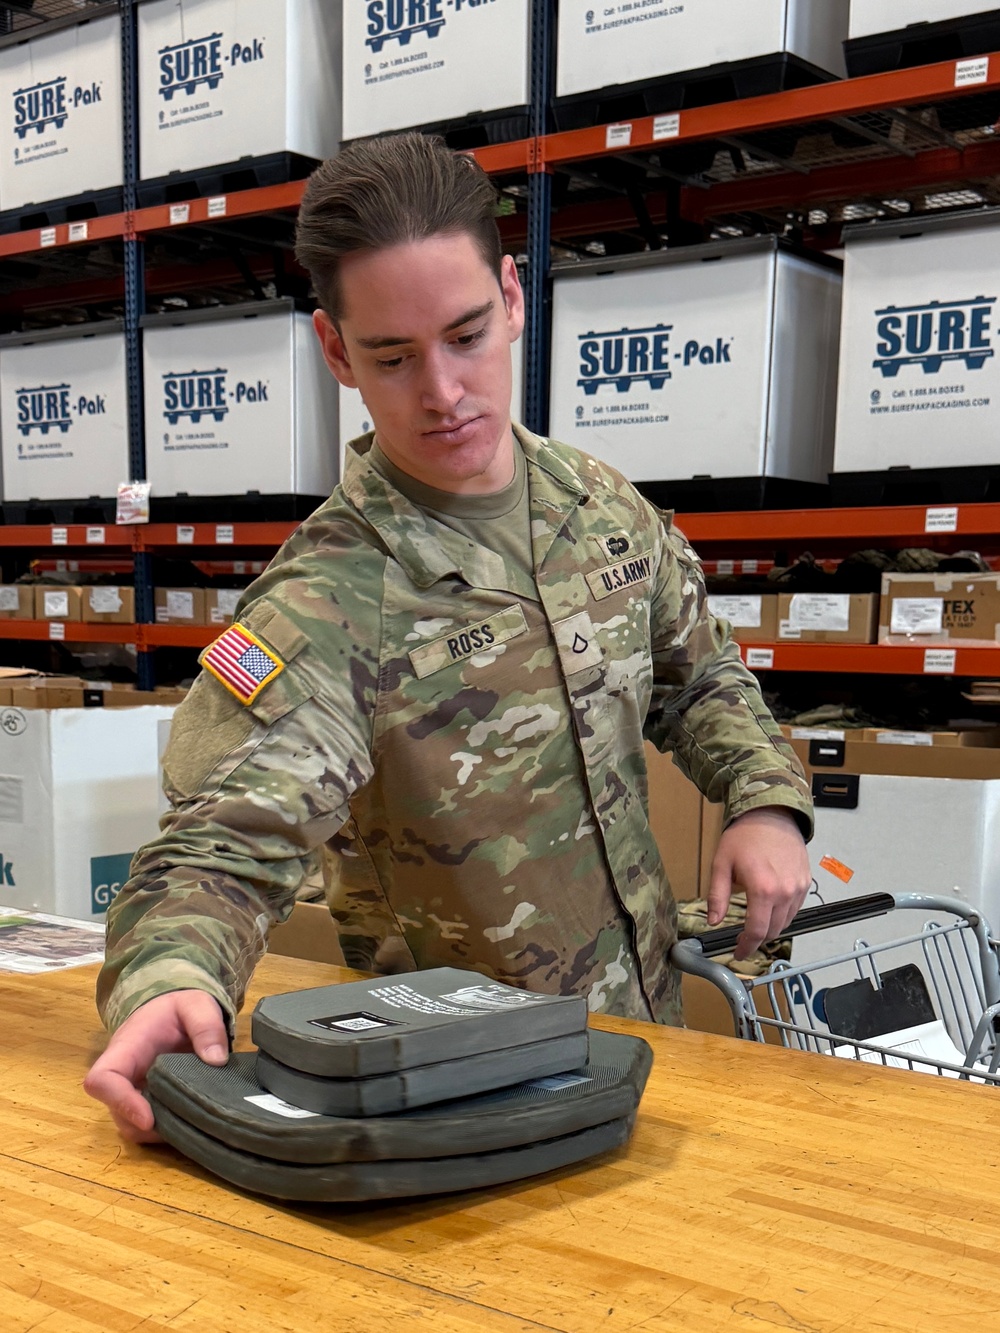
{"type": "Point", "coordinates": [813, 918]}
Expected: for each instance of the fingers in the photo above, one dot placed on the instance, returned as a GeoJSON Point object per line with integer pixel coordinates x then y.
{"type": "Point", "coordinates": [129, 1109]}
{"type": "Point", "coordinates": [202, 1020]}
{"type": "Point", "coordinates": [720, 888]}
{"type": "Point", "coordinates": [770, 909]}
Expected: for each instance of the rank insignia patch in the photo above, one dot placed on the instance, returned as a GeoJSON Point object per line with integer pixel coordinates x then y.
{"type": "Point", "coordinates": [241, 662]}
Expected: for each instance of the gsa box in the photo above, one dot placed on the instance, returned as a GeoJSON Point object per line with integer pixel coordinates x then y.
{"type": "Point", "coordinates": [919, 377]}
{"type": "Point", "coordinates": [63, 413]}
{"type": "Point", "coordinates": [61, 108]}
{"type": "Point", "coordinates": [238, 399]}
{"type": "Point", "coordinates": [221, 80]}
{"type": "Point", "coordinates": [710, 361]}
{"type": "Point", "coordinates": [419, 62]}
{"type": "Point", "coordinates": [873, 16]}
{"type": "Point", "coordinates": [632, 41]}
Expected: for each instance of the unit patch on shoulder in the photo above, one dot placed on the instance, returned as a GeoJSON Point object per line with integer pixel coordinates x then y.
{"type": "Point", "coordinates": [241, 662]}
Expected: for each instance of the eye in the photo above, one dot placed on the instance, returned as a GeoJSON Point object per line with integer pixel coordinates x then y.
{"type": "Point", "coordinates": [470, 339]}
{"type": "Point", "coordinates": [390, 364]}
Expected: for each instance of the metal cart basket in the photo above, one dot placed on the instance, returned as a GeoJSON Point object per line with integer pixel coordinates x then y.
{"type": "Point", "coordinates": [926, 1001]}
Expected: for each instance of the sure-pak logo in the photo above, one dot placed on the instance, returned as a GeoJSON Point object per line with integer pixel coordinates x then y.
{"type": "Point", "coordinates": [49, 104]}
{"type": "Point", "coordinates": [621, 358]}
{"type": "Point", "coordinates": [202, 62]}
{"type": "Point", "coordinates": [930, 335]}
{"type": "Point", "coordinates": [194, 394]}
{"type": "Point", "coordinates": [401, 20]}
{"type": "Point", "coordinates": [49, 407]}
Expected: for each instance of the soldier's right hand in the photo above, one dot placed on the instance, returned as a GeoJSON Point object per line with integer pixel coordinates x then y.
{"type": "Point", "coordinates": [183, 1020]}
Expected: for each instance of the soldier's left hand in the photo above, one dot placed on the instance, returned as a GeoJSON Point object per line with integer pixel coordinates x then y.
{"type": "Point", "coordinates": [764, 853]}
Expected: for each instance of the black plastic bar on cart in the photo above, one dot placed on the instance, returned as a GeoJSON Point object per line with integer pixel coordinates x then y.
{"type": "Point", "coordinates": [813, 918]}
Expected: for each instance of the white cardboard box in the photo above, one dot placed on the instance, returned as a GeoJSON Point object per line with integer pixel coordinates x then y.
{"type": "Point", "coordinates": [919, 373]}
{"type": "Point", "coordinates": [224, 79]}
{"type": "Point", "coordinates": [79, 794]}
{"type": "Point", "coordinates": [61, 131]}
{"type": "Point", "coordinates": [872, 16]}
{"type": "Point", "coordinates": [718, 360]}
{"type": "Point", "coordinates": [63, 413]}
{"type": "Point", "coordinates": [599, 46]}
{"type": "Point", "coordinates": [239, 399]}
{"type": "Point", "coordinates": [417, 62]}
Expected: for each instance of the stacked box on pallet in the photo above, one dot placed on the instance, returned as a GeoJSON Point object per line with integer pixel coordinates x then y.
{"type": "Point", "coordinates": [610, 48]}
{"type": "Point", "coordinates": [713, 362]}
{"type": "Point", "coordinates": [238, 399]}
{"type": "Point", "coordinates": [919, 375]}
{"type": "Point", "coordinates": [872, 16]}
{"type": "Point", "coordinates": [429, 62]}
{"type": "Point", "coordinates": [63, 413]}
{"type": "Point", "coordinates": [224, 80]}
{"type": "Point", "coordinates": [61, 130]}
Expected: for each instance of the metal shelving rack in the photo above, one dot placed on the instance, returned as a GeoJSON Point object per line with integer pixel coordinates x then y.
{"type": "Point", "coordinates": [889, 144]}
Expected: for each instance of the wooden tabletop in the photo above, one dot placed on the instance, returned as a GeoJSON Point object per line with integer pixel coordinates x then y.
{"type": "Point", "coordinates": [763, 1189]}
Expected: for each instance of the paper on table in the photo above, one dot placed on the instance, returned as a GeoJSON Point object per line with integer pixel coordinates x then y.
{"type": "Point", "coordinates": [36, 942]}
{"type": "Point", "coordinates": [924, 1041]}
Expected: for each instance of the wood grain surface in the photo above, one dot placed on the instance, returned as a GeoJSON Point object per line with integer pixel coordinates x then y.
{"type": "Point", "coordinates": [763, 1189]}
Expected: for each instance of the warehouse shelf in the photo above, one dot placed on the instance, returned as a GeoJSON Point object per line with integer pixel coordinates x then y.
{"type": "Point", "coordinates": [158, 536]}
{"type": "Point", "coordinates": [177, 636]}
{"type": "Point", "coordinates": [68, 631]}
{"type": "Point", "coordinates": [910, 522]}
{"type": "Point", "coordinates": [874, 659]}
{"type": "Point", "coordinates": [44, 535]}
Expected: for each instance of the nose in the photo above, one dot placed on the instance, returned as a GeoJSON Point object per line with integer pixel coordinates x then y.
{"type": "Point", "coordinates": [441, 389]}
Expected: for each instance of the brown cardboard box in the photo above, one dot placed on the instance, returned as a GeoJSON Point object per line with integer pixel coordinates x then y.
{"type": "Point", "coordinates": [220, 605]}
{"type": "Point", "coordinates": [58, 603]}
{"type": "Point", "coordinates": [179, 606]}
{"type": "Point", "coordinates": [811, 617]}
{"type": "Point", "coordinates": [986, 737]}
{"type": "Point", "coordinates": [675, 819]}
{"type": "Point", "coordinates": [940, 608]}
{"type": "Point", "coordinates": [112, 606]}
{"type": "Point", "coordinates": [753, 616]}
{"type": "Point", "coordinates": [17, 601]}
{"type": "Point", "coordinates": [916, 761]}
{"type": "Point", "coordinates": [308, 933]}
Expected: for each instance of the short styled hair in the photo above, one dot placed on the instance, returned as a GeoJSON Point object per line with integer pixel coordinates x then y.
{"type": "Point", "coordinates": [389, 191]}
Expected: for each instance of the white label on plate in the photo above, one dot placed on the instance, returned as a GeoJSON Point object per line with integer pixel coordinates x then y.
{"type": "Point", "coordinates": [761, 658]}
{"type": "Point", "coordinates": [78, 231]}
{"type": "Point", "coordinates": [267, 1102]}
{"type": "Point", "coordinates": [916, 615]}
{"type": "Point", "coordinates": [618, 136]}
{"type": "Point", "coordinates": [939, 661]}
{"type": "Point", "coordinates": [57, 630]}
{"type": "Point", "coordinates": [941, 520]}
{"type": "Point", "coordinates": [60, 536]}
{"type": "Point", "coordinates": [725, 566]}
{"type": "Point", "coordinates": [820, 611]}
{"type": "Point", "coordinates": [9, 599]}
{"type": "Point", "coordinates": [185, 536]}
{"type": "Point", "coordinates": [95, 536]}
{"type": "Point", "coordinates": [742, 612]}
{"type": "Point", "coordinates": [55, 603]}
{"type": "Point", "coordinates": [179, 213]}
{"type": "Point", "coordinates": [47, 237]}
{"type": "Point", "coordinates": [217, 206]}
{"type": "Point", "coordinates": [224, 534]}
{"type": "Point", "coordinates": [667, 127]}
{"type": "Point", "coordinates": [105, 601]}
{"type": "Point", "coordinates": [180, 604]}
{"type": "Point", "coordinates": [817, 734]}
{"type": "Point", "coordinates": [904, 738]}
{"type": "Point", "coordinates": [968, 72]}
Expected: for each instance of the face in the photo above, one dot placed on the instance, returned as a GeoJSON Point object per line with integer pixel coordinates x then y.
{"type": "Point", "coordinates": [425, 335]}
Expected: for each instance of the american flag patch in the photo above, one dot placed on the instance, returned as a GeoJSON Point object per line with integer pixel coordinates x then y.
{"type": "Point", "coordinates": [241, 662]}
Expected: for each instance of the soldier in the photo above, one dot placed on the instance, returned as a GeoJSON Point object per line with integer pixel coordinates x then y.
{"type": "Point", "coordinates": [446, 676]}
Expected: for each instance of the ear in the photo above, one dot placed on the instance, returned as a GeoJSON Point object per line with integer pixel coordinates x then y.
{"type": "Point", "coordinates": [334, 351]}
{"type": "Point", "coordinates": [513, 297]}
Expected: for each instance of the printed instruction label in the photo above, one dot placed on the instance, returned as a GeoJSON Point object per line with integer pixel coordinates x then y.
{"type": "Point", "coordinates": [180, 604]}
{"type": "Point", "coordinates": [57, 630]}
{"type": "Point", "coordinates": [820, 611]}
{"type": "Point", "coordinates": [742, 612]}
{"type": "Point", "coordinates": [60, 536]}
{"type": "Point", "coordinates": [667, 127]}
{"type": "Point", "coordinates": [179, 213]}
{"type": "Point", "coordinates": [968, 72]}
{"type": "Point", "coordinates": [217, 206]}
{"type": "Point", "coordinates": [941, 520]}
{"type": "Point", "coordinates": [185, 535]}
{"type": "Point", "coordinates": [95, 536]}
{"type": "Point", "coordinates": [618, 136]}
{"type": "Point", "coordinates": [47, 237]}
{"type": "Point", "coordinates": [9, 599]}
{"type": "Point", "coordinates": [267, 1102]}
{"type": "Point", "coordinates": [224, 534]}
{"type": "Point", "coordinates": [105, 601]}
{"type": "Point", "coordinates": [78, 231]}
{"type": "Point", "coordinates": [761, 659]}
{"type": "Point", "coordinates": [939, 662]}
{"type": "Point", "coordinates": [904, 738]}
{"type": "Point", "coordinates": [725, 566]}
{"type": "Point", "coordinates": [817, 734]}
{"type": "Point", "coordinates": [916, 615]}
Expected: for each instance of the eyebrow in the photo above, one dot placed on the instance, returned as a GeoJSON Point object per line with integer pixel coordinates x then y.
{"type": "Point", "coordinates": [375, 344]}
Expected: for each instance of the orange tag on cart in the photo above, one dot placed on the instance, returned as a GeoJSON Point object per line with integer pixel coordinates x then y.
{"type": "Point", "coordinates": [837, 868]}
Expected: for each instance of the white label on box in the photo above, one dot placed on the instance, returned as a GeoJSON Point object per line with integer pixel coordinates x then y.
{"type": "Point", "coordinates": [761, 658]}
{"type": "Point", "coordinates": [916, 615]}
{"type": "Point", "coordinates": [725, 566]}
{"type": "Point", "coordinates": [179, 213]}
{"type": "Point", "coordinates": [180, 604]}
{"type": "Point", "coordinates": [817, 734]}
{"type": "Point", "coordinates": [95, 536]}
{"type": "Point", "coordinates": [904, 738]}
{"type": "Point", "coordinates": [785, 630]}
{"type": "Point", "coordinates": [941, 520]}
{"type": "Point", "coordinates": [78, 231]}
{"type": "Point", "coordinates": [939, 661]}
{"type": "Point", "coordinates": [968, 72]}
{"type": "Point", "coordinates": [268, 1102]}
{"type": "Point", "coordinates": [667, 127]}
{"type": "Point", "coordinates": [618, 136]}
{"type": "Point", "coordinates": [47, 237]}
{"type": "Point", "coordinates": [224, 534]}
{"type": "Point", "coordinates": [750, 566]}
{"type": "Point", "coordinates": [185, 536]}
{"type": "Point", "coordinates": [56, 604]}
{"type": "Point", "coordinates": [217, 206]}
{"type": "Point", "coordinates": [742, 612]}
{"type": "Point", "coordinates": [9, 599]}
{"type": "Point", "coordinates": [820, 611]}
{"type": "Point", "coordinates": [227, 599]}
{"type": "Point", "coordinates": [57, 630]}
{"type": "Point", "coordinates": [60, 536]}
{"type": "Point", "coordinates": [105, 601]}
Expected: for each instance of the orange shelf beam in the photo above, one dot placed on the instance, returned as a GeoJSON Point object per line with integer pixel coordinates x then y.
{"type": "Point", "coordinates": [873, 659]}
{"type": "Point", "coordinates": [176, 636]}
{"type": "Point", "coordinates": [67, 631]}
{"type": "Point", "coordinates": [105, 228]}
{"type": "Point", "coordinates": [155, 536]}
{"type": "Point", "coordinates": [46, 536]}
{"type": "Point", "coordinates": [217, 208]}
{"type": "Point", "coordinates": [778, 525]}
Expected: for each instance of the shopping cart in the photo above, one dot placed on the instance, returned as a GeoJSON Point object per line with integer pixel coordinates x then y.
{"type": "Point", "coordinates": [927, 1001]}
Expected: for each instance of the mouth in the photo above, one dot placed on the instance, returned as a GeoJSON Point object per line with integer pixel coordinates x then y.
{"type": "Point", "coordinates": [457, 433]}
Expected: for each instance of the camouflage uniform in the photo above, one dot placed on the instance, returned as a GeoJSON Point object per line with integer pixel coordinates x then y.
{"type": "Point", "coordinates": [469, 742]}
